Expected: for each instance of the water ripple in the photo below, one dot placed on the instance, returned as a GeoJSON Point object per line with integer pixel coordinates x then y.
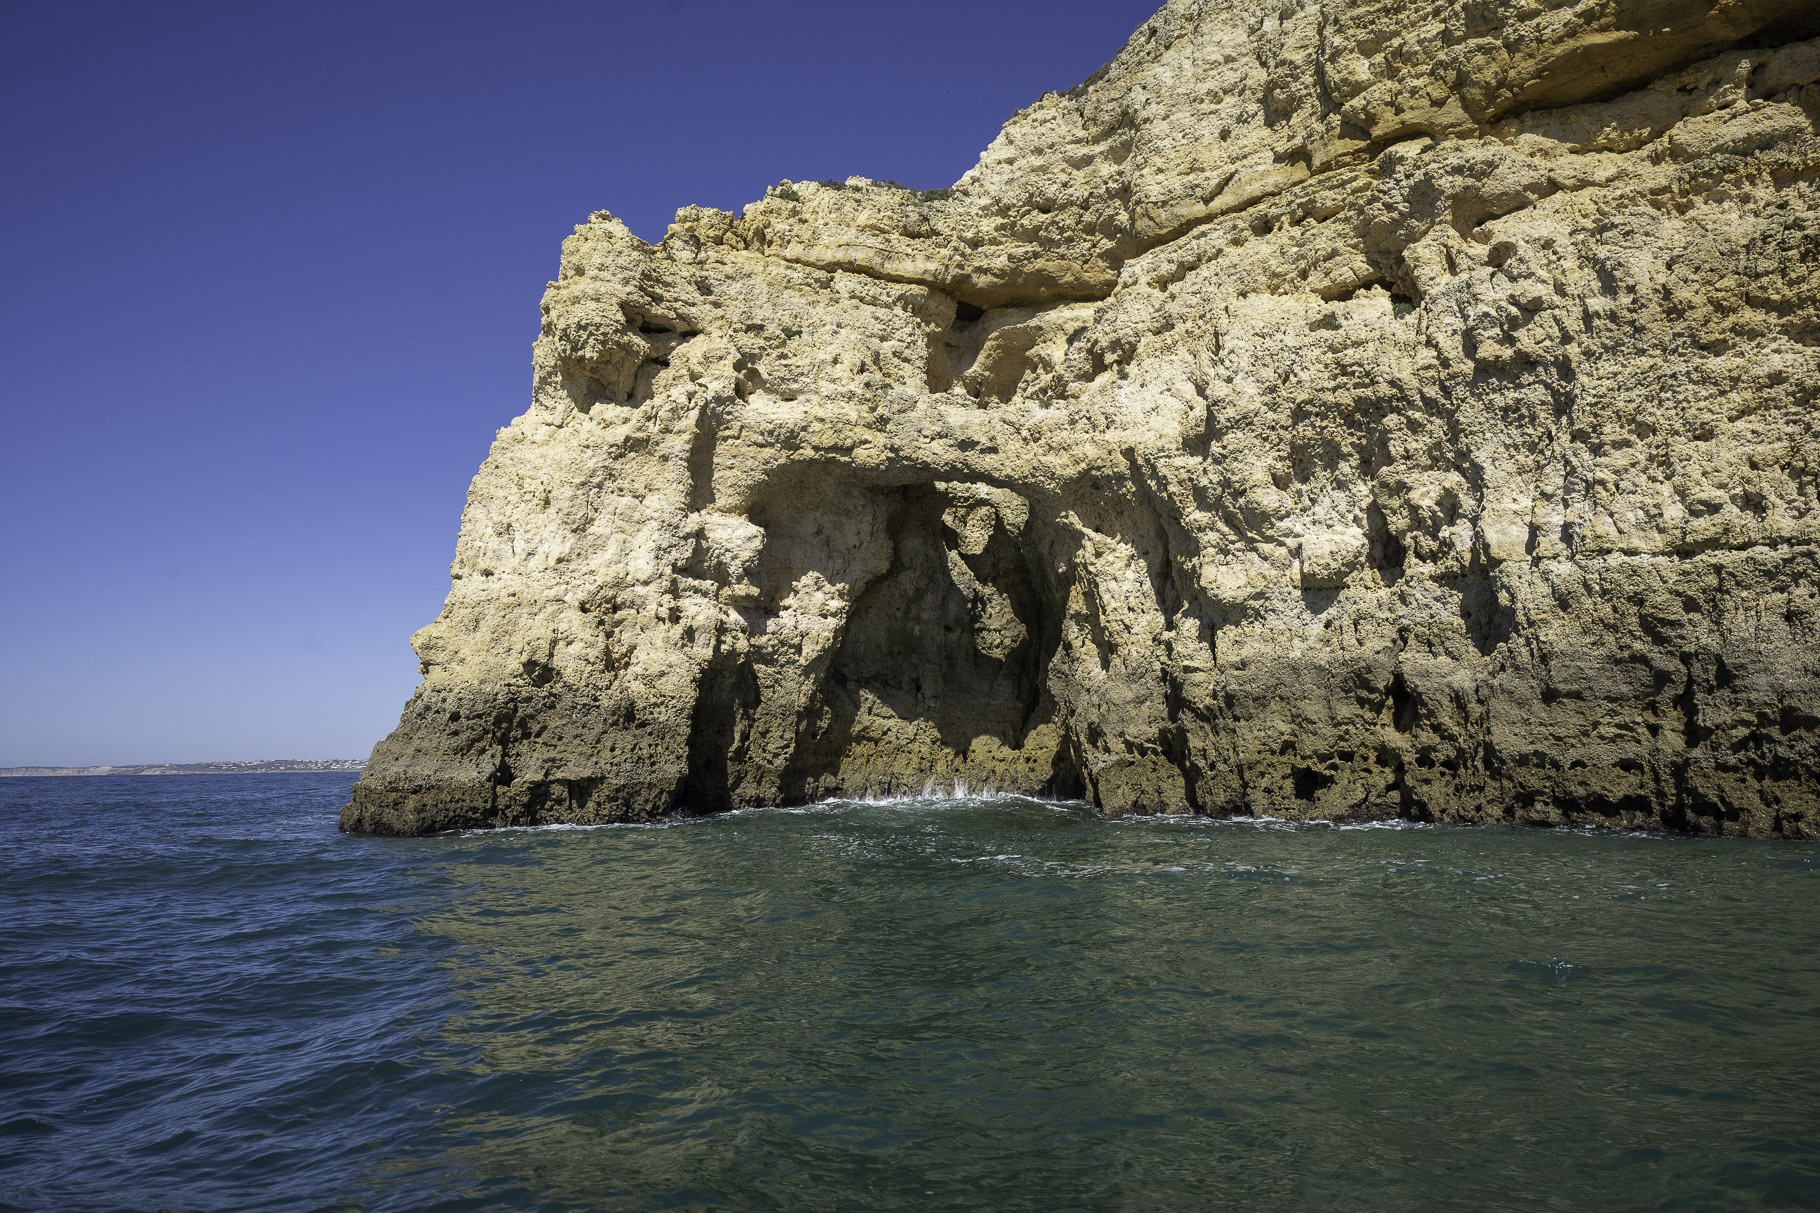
{"type": "Point", "coordinates": [211, 1000]}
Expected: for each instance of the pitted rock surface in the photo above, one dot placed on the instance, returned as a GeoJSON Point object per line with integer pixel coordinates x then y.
{"type": "Point", "coordinates": [1339, 410]}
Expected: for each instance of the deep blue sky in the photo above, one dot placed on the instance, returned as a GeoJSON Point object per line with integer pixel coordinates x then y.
{"type": "Point", "coordinates": [269, 278]}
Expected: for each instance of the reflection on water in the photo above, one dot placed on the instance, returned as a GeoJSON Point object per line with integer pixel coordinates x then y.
{"type": "Point", "coordinates": [1012, 1004]}
{"type": "Point", "coordinates": [999, 1004]}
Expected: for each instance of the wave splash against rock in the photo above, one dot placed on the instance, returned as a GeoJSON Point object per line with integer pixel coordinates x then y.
{"type": "Point", "coordinates": [1330, 409]}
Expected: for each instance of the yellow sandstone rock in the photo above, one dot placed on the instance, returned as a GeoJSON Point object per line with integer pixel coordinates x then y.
{"type": "Point", "coordinates": [1330, 409]}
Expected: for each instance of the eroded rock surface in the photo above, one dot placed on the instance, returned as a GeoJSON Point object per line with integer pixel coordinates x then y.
{"type": "Point", "coordinates": [1330, 409]}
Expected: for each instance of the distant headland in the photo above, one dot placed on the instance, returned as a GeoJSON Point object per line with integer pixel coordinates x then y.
{"type": "Point", "coordinates": [263, 766]}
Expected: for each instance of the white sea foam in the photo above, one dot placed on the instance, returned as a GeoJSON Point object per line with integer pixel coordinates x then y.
{"type": "Point", "coordinates": [559, 827]}
{"type": "Point", "coordinates": [958, 793]}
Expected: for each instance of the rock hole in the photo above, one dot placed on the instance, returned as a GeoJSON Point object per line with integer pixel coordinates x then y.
{"type": "Point", "coordinates": [1308, 781]}
{"type": "Point", "coordinates": [729, 692]}
{"type": "Point", "coordinates": [941, 662]}
{"type": "Point", "coordinates": [984, 354]}
{"type": "Point", "coordinates": [1489, 620]}
{"type": "Point", "coordinates": [1403, 704]}
{"type": "Point", "coordinates": [1345, 293]}
{"type": "Point", "coordinates": [961, 629]}
{"type": "Point", "coordinates": [1692, 730]}
{"type": "Point", "coordinates": [1798, 27]}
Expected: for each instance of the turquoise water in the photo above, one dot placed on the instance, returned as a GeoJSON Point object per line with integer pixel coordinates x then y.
{"type": "Point", "coordinates": [211, 1000]}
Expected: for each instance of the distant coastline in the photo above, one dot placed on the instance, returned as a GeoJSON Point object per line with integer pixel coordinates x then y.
{"type": "Point", "coordinates": [264, 766]}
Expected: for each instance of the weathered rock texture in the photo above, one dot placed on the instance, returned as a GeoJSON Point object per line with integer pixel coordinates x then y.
{"type": "Point", "coordinates": [1331, 409]}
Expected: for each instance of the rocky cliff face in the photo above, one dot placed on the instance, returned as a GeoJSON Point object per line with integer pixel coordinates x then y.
{"type": "Point", "coordinates": [1330, 409]}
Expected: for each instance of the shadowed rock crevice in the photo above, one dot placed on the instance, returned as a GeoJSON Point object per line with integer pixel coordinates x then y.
{"type": "Point", "coordinates": [941, 660]}
{"type": "Point", "coordinates": [729, 693]}
{"type": "Point", "coordinates": [954, 633]}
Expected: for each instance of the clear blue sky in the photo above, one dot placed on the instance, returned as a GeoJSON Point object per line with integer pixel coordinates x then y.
{"type": "Point", "coordinates": [270, 277]}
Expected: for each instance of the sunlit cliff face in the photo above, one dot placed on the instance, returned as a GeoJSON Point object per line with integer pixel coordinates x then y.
{"type": "Point", "coordinates": [1347, 410]}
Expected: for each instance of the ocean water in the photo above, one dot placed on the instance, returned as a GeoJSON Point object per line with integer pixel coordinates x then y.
{"type": "Point", "coordinates": [210, 1000]}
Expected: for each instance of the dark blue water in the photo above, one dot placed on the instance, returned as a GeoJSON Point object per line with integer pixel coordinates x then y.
{"type": "Point", "coordinates": [210, 1000]}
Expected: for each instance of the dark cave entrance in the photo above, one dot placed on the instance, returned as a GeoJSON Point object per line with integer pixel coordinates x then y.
{"type": "Point", "coordinates": [961, 630]}
{"type": "Point", "coordinates": [942, 661]}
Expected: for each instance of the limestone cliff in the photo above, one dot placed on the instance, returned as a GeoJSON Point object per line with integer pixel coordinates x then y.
{"type": "Point", "coordinates": [1337, 409]}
